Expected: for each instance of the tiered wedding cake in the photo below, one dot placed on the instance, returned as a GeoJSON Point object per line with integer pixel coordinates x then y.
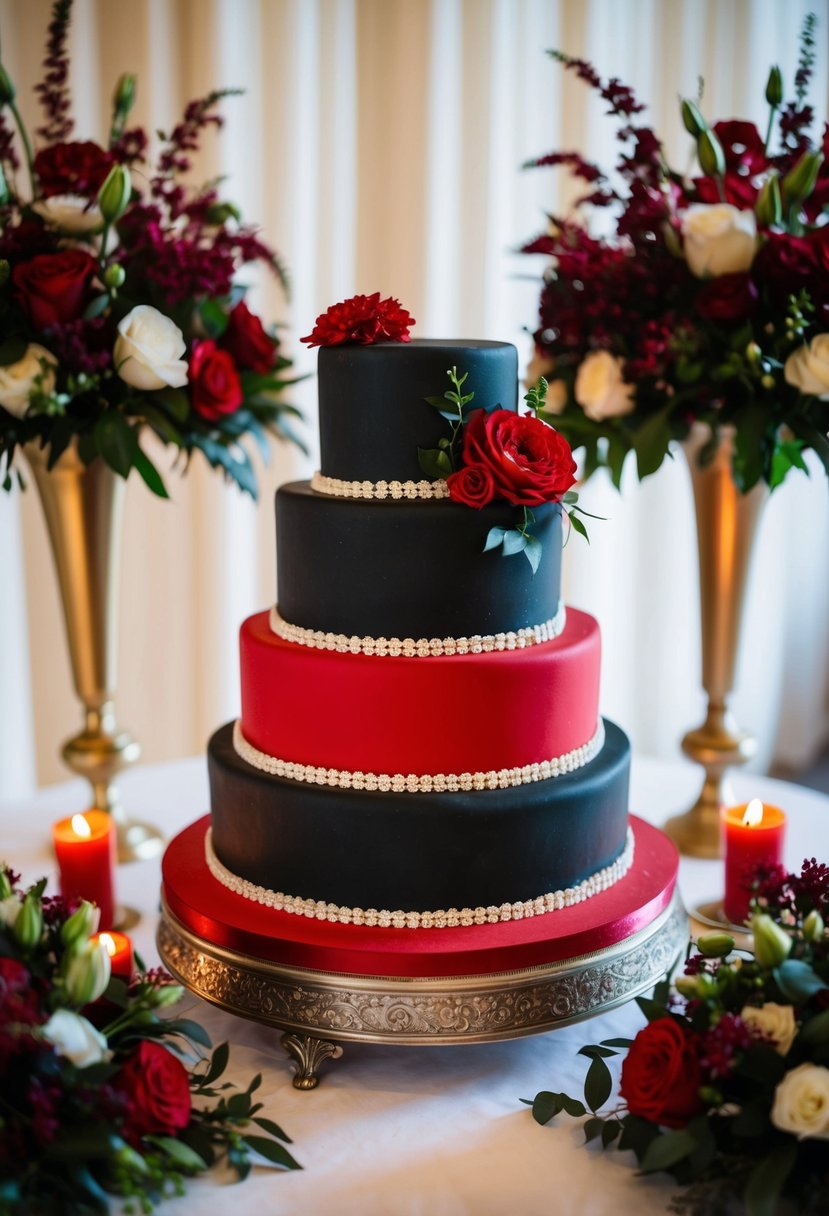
{"type": "Point", "coordinates": [419, 744]}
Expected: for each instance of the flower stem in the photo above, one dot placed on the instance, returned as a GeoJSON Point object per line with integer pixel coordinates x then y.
{"type": "Point", "coordinates": [27, 147]}
{"type": "Point", "coordinates": [772, 112]}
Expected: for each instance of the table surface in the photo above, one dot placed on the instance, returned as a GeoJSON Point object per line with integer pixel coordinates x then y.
{"type": "Point", "coordinates": [397, 1131]}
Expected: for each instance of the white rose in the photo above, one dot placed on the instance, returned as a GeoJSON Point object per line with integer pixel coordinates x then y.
{"type": "Point", "coordinates": [801, 1103]}
{"type": "Point", "coordinates": [775, 1022]}
{"type": "Point", "coordinates": [76, 1038]}
{"type": "Point", "coordinates": [808, 367]}
{"type": "Point", "coordinates": [17, 380]}
{"type": "Point", "coordinates": [69, 212]}
{"type": "Point", "coordinates": [148, 350]}
{"type": "Point", "coordinates": [600, 389]}
{"type": "Point", "coordinates": [719, 239]}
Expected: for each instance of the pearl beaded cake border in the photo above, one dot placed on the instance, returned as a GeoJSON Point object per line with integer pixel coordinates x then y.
{"type": "Point", "coordinates": [441, 919]}
{"type": "Point", "coordinates": [518, 639]}
{"type": "Point", "coordinates": [337, 488]}
{"type": "Point", "coordinates": [413, 783]}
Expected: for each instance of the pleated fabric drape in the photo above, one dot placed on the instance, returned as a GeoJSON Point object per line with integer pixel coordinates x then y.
{"type": "Point", "coordinates": [378, 144]}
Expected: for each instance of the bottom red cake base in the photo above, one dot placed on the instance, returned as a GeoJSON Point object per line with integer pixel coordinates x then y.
{"type": "Point", "coordinates": [221, 918]}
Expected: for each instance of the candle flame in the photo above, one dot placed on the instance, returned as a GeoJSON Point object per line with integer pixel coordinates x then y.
{"type": "Point", "coordinates": [80, 826]}
{"type": "Point", "coordinates": [108, 943]}
{"type": "Point", "coordinates": [753, 813]}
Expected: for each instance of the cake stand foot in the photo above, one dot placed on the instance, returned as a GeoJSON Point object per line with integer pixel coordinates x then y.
{"type": "Point", "coordinates": [309, 1052]}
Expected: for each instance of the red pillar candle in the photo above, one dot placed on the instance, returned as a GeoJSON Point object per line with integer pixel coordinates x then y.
{"type": "Point", "coordinates": [85, 851]}
{"type": "Point", "coordinates": [753, 834]}
{"type": "Point", "coordinates": [119, 948]}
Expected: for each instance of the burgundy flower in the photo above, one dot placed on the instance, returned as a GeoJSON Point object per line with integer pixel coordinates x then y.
{"type": "Point", "coordinates": [787, 264]}
{"type": "Point", "coordinates": [740, 191]}
{"type": "Point", "coordinates": [363, 319]}
{"type": "Point", "coordinates": [78, 167]}
{"type": "Point", "coordinates": [742, 146]}
{"type": "Point", "coordinates": [52, 287]}
{"type": "Point", "coordinates": [528, 461]}
{"type": "Point", "coordinates": [661, 1074]}
{"type": "Point", "coordinates": [156, 1091]}
{"type": "Point", "coordinates": [245, 339]}
{"type": "Point", "coordinates": [472, 485]}
{"type": "Point", "coordinates": [729, 298]}
{"type": "Point", "coordinates": [214, 381]}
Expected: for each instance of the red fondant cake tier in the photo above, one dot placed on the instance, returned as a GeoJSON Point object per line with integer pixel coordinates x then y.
{"type": "Point", "coordinates": [396, 715]}
{"type": "Point", "coordinates": [229, 921]}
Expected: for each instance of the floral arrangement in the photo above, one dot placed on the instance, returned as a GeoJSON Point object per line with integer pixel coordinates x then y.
{"type": "Point", "coordinates": [708, 304]}
{"type": "Point", "coordinates": [727, 1086]}
{"type": "Point", "coordinates": [99, 1093]}
{"type": "Point", "coordinates": [491, 453]}
{"type": "Point", "coordinates": [118, 308]}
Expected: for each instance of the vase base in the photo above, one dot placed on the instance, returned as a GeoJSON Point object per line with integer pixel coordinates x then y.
{"type": "Point", "coordinates": [137, 841]}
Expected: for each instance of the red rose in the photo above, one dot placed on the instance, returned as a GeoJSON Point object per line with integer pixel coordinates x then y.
{"type": "Point", "coordinates": [245, 339]}
{"type": "Point", "coordinates": [528, 461]}
{"type": "Point", "coordinates": [363, 319]}
{"type": "Point", "coordinates": [728, 297]}
{"type": "Point", "coordinates": [661, 1074]}
{"type": "Point", "coordinates": [156, 1090]}
{"type": "Point", "coordinates": [214, 381]}
{"type": "Point", "coordinates": [472, 485]}
{"type": "Point", "coordinates": [739, 191]}
{"type": "Point", "coordinates": [788, 264]}
{"type": "Point", "coordinates": [742, 146]}
{"type": "Point", "coordinates": [51, 288]}
{"type": "Point", "coordinates": [78, 167]}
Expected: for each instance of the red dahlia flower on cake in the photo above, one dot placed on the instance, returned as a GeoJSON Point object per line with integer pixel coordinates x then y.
{"type": "Point", "coordinates": [120, 309]}
{"type": "Point", "coordinates": [363, 319]}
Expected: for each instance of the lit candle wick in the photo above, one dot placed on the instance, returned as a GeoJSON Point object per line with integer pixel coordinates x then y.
{"type": "Point", "coordinates": [80, 826]}
{"type": "Point", "coordinates": [108, 943]}
{"type": "Point", "coordinates": [753, 813]}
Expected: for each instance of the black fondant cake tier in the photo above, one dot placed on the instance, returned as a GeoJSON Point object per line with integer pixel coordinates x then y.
{"type": "Point", "coordinates": [409, 569]}
{"type": "Point", "coordinates": [418, 852]}
{"type": "Point", "coordinates": [373, 415]}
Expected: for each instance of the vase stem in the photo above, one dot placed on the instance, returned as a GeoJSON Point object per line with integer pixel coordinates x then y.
{"type": "Point", "coordinates": [83, 506]}
{"type": "Point", "coordinates": [726, 528]}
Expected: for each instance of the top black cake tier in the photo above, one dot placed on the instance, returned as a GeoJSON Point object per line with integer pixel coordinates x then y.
{"type": "Point", "coordinates": [373, 412]}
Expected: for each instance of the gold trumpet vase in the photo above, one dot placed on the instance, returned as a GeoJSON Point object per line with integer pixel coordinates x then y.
{"type": "Point", "coordinates": [83, 508]}
{"type": "Point", "coordinates": [726, 527]}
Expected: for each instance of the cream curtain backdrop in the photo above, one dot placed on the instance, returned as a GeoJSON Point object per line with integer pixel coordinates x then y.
{"type": "Point", "coordinates": [378, 143]}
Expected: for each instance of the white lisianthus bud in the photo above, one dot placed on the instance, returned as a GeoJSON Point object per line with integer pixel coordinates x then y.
{"type": "Point", "coordinates": [148, 350]}
{"type": "Point", "coordinates": [79, 927]}
{"type": "Point", "coordinates": [600, 389]}
{"type": "Point", "coordinates": [18, 379]}
{"type": "Point", "coordinates": [771, 1021]}
{"type": "Point", "coordinates": [9, 908]}
{"type": "Point", "coordinates": [771, 941]}
{"type": "Point", "coordinates": [86, 973]}
{"type": "Point", "coordinates": [807, 368]}
{"type": "Point", "coordinates": [75, 1038]}
{"type": "Point", "coordinates": [70, 213]}
{"type": "Point", "coordinates": [813, 926]}
{"type": "Point", "coordinates": [718, 239]}
{"type": "Point", "coordinates": [801, 1103]}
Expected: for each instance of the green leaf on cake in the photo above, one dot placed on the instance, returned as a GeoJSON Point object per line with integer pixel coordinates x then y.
{"type": "Point", "coordinates": [532, 552]}
{"type": "Point", "coordinates": [435, 463]}
{"type": "Point", "coordinates": [514, 542]}
{"type": "Point", "coordinates": [494, 538]}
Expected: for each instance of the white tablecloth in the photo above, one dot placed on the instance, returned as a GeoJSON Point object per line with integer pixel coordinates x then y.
{"type": "Point", "coordinates": [435, 1131]}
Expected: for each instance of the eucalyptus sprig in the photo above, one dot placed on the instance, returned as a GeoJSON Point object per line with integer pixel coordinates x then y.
{"type": "Point", "coordinates": [439, 462]}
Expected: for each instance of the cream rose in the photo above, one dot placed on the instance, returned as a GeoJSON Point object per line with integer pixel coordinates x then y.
{"type": "Point", "coordinates": [18, 379]}
{"type": "Point", "coordinates": [148, 350]}
{"type": "Point", "coordinates": [70, 213]}
{"type": "Point", "coordinates": [75, 1038]}
{"type": "Point", "coordinates": [801, 1103]}
{"type": "Point", "coordinates": [807, 368]}
{"type": "Point", "coordinates": [771, 1021]}
{"type": "Point", "coordinates": [600, 389]}
{"type": "Point", "coordinates": [718, 239]}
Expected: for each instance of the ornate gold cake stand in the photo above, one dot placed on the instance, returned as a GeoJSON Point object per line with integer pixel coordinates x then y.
{"type": "Point", "coordinates": [317, 1010]}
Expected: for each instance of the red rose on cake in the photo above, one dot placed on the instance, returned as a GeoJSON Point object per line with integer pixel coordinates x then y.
{"type": "Point", "coordinates": [362, 319]}
{"type": "Point", "coordinates": [661, 1074]}
{"type": "Point", "coordinates": [214, 381]}
{"type": "Point", "coordinates": [528, 462]}
{"type": "Point", "coordinates": [246, 340]}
